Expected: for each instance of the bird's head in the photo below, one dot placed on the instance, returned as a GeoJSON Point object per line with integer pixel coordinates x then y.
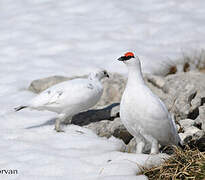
{"type": "Point", "coordinates": [129, 59]}
{"type": "Point", "coordinates": [99, 74]}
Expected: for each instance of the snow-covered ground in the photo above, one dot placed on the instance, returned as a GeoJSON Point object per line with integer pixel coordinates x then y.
{"type": "Point", "coordinates": [39, 38]}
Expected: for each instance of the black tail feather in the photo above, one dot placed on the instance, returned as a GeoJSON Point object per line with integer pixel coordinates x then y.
{"type": "Point", "coordinates": [20, 108]}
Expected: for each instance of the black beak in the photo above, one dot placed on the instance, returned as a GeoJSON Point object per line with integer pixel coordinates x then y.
{"type": "Point", "coordinates": [122, 58]}
{"type": "Point", "coordinates": [107, 76]}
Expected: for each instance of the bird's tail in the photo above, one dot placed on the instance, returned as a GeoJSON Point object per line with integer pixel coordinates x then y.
{"type": "Point", "coordinates": [177, 139]}
{"type": "Point", "coordinates": [20, 108]}
{"type": "Point", "coordinates": [181, 145]}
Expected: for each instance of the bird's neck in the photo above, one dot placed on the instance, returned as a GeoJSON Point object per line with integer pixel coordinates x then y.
{"type": "Point", "coordinates": [135, 76]}
{"type": "Point", "coordinates": [94, 79]}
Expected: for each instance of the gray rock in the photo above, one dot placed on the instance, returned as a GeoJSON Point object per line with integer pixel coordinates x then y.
{"type": "Point", "coordinates": [120, 131]}
{"type": "Point", "coordinates": [191, 134]}
{"type": "Point", "coordinates": [178, 127]}
{"type": "Point", "coordinates": [200, 143]}
{"type": "Point", "coordinates": [183, 94]}
{"type": "Point", "coordinates": [201, 118]}
{"type": "Point", "coordinates": [186, 123]}
{"type": "Point", "coordinates": [107, 128]}
{"type": "Point", "coordinates": [115, 111]}
{"type": "Point", "coordinates": [40, 85]}
{"type": "Point", "coordinates": [100, 128]}
{"type": "Point", "coordinates": [196, 102]}
{"type": "Point", "coordinates": [156, 84]}
{"type": "Point", "coordinates": [113, 89]}
{"type": "Point", "coordinates": [157, 81]}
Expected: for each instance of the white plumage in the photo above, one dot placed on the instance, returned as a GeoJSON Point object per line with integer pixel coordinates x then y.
{"type": "Point", "coordinates": [70, 97]}
{"type": "Point", "coordinates": [143, 113]}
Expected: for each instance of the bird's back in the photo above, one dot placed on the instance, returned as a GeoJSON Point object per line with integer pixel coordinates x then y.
{"type": "Point", "coordinates": [68, 95]}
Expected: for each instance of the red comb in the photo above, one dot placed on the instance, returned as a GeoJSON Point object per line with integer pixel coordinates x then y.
{"type": "Point", "coordinates": [129, 54]}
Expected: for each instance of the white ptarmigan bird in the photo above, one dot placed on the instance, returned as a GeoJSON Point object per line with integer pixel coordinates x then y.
{"type": "Point", "coordinates": [144, 115]}
{"type": "Point", "coordinates": [70, 97]}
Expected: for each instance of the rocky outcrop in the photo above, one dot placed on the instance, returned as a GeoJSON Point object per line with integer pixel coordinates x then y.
{"type": "Point", "coordinates": [183, 94]}
{"type": "Point", "coordinates": [108, 128]}
{"type": "Point", "coordinates": [40, 85]}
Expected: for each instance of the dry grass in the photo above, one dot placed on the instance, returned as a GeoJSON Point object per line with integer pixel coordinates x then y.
{"type": "Point", "coordinates": [188, 164]}
{"type": "Point", "coordinates": [202, 70]}
{"type": "Point", "coordinates": [190, 61]}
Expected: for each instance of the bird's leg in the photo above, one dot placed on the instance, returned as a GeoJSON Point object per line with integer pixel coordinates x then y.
{"type": "Point", "coordinates": [140, 144]}
{"type": "Point", "coordinates": [140, 147]}
{"type": "Point", "coordinates": [68, 120]}
{"type": "Point", "coordinates": [60, 118]}
{"type": "Point", "coordinates": [154, 146]}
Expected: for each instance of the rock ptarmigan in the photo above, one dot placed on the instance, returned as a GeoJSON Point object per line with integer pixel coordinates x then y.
{"type": "Point", "coordinates": [70, 97]}
{"type": "Point", "coordinates": [144, 115]}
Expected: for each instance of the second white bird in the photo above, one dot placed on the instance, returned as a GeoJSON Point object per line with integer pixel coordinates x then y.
{"type": "Point", "coordinates": [70, 97]}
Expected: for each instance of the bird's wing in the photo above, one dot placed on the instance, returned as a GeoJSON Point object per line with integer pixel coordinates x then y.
{"type": "Point", "coordinates": [163, 122]}
{"type": "Point", "coordinates": [72, 91]}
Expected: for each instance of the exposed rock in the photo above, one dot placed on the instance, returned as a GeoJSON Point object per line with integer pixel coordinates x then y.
{"type": "Point", "coordinates": [201, 118]}
{"type": "Point", "coordinates": [186, 123]}
{"type": "Point", "coordinates": [105, 122]}
{"type": "Point", "coordinates": [183, 94]}
{"type": "Point", "coordinates": [40, 85]}
{"type": "Point", "coordinates": [200, 143]}
{"type": "Point", "coordinates": [101, 128]}
{"type": "Point", "coordinates": [113, 89]}
{"type": "Point", "coordinates": [178, 127]}
{"type": "Point", "coordinates": [115, 111]}
{"type": "Point", "coordinates": [107, 128]}
{"type": "Point", "coordinates": [191, 134]}
{"type": "Point", "coordinates": [121, 132]}
{"type": "Point", "coordinates": [157, 81]}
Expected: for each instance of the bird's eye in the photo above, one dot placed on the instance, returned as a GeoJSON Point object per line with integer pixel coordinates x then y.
{"type": "Point", "coordinates": [105, 72]}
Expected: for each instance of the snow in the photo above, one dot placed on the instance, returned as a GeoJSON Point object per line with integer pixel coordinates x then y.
{"type": "Point", "coordinates": [43, 38]}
